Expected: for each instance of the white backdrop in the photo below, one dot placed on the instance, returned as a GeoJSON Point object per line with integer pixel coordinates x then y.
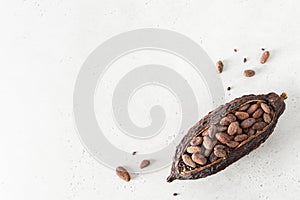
{"type": "Point", "coordinates": [43, 45]}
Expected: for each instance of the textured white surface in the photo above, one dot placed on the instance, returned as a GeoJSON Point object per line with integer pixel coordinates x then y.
{"type": "Point", "coordinates": [43, 44]}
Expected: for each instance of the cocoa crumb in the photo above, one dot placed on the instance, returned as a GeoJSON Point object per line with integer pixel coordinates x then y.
{"type": "Point", "coordinates": [235, 50]}
{"type": "Point", "coordinates": [245, 60]}
{"type": "Point", "coordinates": [175, 194]}
{"type": "Point", "coordinates": [262, 49]}
{"type": "Point", "coordinates": [133, 153]}
{"type": "Point", "coordinates": [228, 88]}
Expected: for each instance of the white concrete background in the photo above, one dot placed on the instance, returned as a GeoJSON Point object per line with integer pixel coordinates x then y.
{"type": "Point", "coordinates": [42, 46]}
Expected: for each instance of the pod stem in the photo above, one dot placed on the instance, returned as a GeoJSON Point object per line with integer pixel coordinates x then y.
{"type": "Point", "coordinates": [283, 96]}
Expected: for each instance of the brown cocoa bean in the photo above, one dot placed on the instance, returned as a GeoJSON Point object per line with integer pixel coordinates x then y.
{"type": "Point", "coordinates": [224, 121]}
{"type": "Point", "coordinates": [259, 125]}
{"type": "Point", "coordinates": [193, 149]}
{"type": "Point", "coordinates": [219, 146]}
{"type": "Point", "coordinates": [244, 107]}
{"type": "Point", "coordinates": [258, 113]}
{"type": "Point", "coordinates": [267, 118]}
{"type": "Point", "coordinates": [188, 161]}
{"type": "Point", "coordinates": [264, 57]}
{"type": "Point", "coordinates": [219, 66]}
{"type": "Point", "coordinates": [265, 107]}
{"type": "Point", "coordinates": [198, 158]}
{"type": "Point", "coordinates": [252, 109]}
{"type": "Point", "coordinates": [196, 141]}
{"type": "Point", "coordinates": [144, 163]}
{"type": "Point", "coordinates": [247, 122]}
{"type": "Point", "coordinates": [242, 115]}
{"type": "Point", "coordinates": [220, 153]}
{"type": "Point", "coordinates": [123, 173]}
{"type": "Point", "coordinates": [241, 137]}
{"type": "Point", "coordinates": [233, 128]}
{"type": "Point", "coordinates": [231, 118]}
{"type": "Point", "coordinates": [223, 137]}
{"type": "Point", "coordinates": [249, 73]}
{"type": "Point", "coordinates": [232, 144]}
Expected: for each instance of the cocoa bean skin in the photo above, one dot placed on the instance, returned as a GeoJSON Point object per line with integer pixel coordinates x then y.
{"type": "Point", "coordinates": [123, 173]}
{"type": "Point", "coordinates": [247, 122]}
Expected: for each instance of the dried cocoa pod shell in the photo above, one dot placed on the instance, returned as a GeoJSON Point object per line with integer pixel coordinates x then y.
{"type": "Point", "coordinates": [232, 153]}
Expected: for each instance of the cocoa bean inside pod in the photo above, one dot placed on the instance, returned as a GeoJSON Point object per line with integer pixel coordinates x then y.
{"type": "Point", "coordinates": [226, 134]}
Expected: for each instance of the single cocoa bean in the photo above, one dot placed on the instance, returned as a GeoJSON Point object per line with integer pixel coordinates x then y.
{"type": "Point", "coordinates": [219, 66]}
{"type": "Point", "coordinates": [241, 137]}
{"type": "Point", "coordinates": [144, 163]}
{"type": "Point", "coordinates": [258, 113]}
{"type": "Point", "coordinates": [223, 137]}
{"type": "Point", "coordinates": [231, 118]}
{"type": "Point", "coordinates": [247, 122]}
{"type": "Point", "coordinates": [249, 73]}
{"type": "Point", "coordinates": [123, 173]}
{"type": "Point", "coordinates": [259, 125]}
{"type": "Point", "coordinates": [252, 109]}
{"type": "Point", "coordinates": [244, 107]}
{"type": "Point", "coordinates": [264, 57]}
{"type": "Point", "coordinates": [193, 149]}
{"type": "Point", "coordinates": [196, 141]}
{"type": "Point", "coordinates": [267, 118]}
{"type": "Point", "coordinates": [265, 107]}
{"type": "Point", "coordinates": [232, 144]}
{"type": "Point", "coordinates": [233, 128]}
{"type": "Point", "coordinates": [220, 153]}
{"type": "Point", "coordinates": [241, 115]}
{"type": "Point", "coordinates": [188, 161]}
{"type": "Point", "coordinates": [224, 121]}
{"type": "Point", "coordinates": [219, 146]}
{"type": "Point", "coordinates": [198, 158]}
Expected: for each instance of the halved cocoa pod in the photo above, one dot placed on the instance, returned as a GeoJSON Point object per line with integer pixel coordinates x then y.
{"type": "Point", "coordinates": [236, 141]}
